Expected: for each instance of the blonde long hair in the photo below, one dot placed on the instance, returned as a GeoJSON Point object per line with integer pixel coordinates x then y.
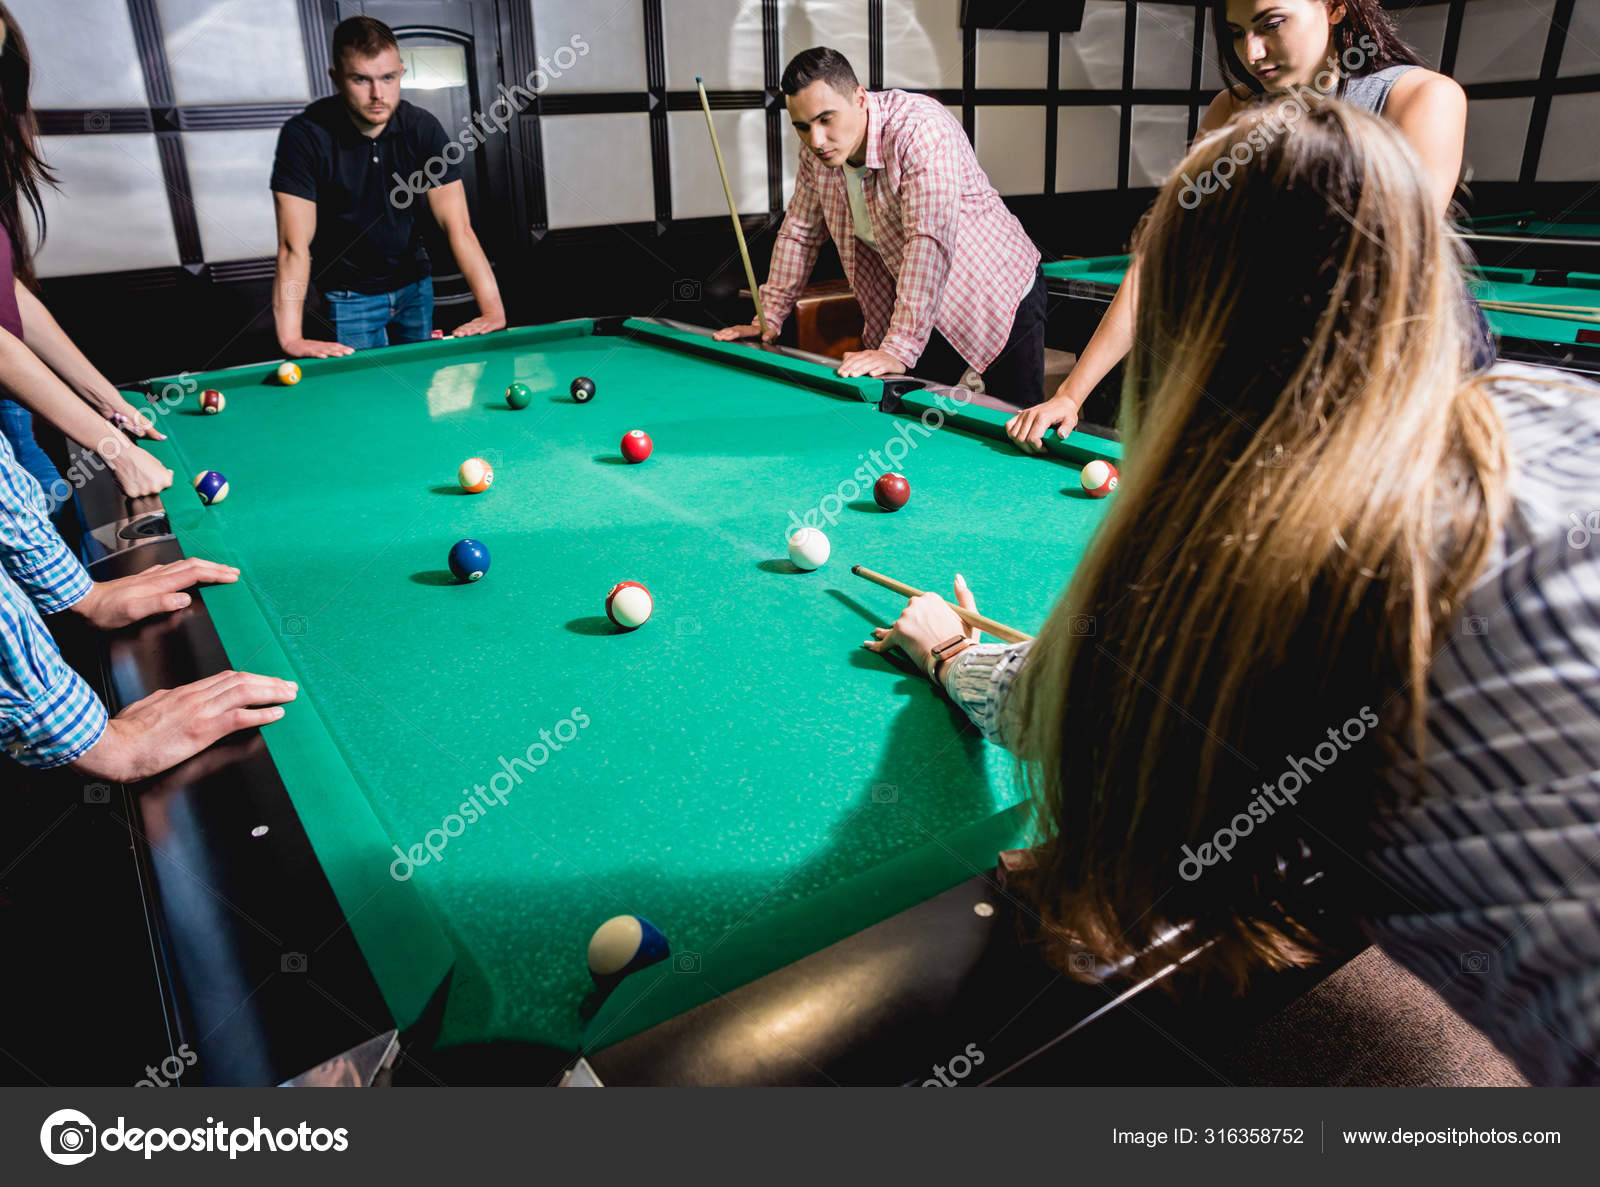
{"type": "Point", "coordinates": [1311, 486]}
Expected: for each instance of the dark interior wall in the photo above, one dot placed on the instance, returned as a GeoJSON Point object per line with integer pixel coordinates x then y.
{"type": "Point", "coordinates": [1075, 129]}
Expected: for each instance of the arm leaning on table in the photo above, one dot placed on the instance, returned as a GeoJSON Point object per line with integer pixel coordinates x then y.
{"type": "Point", "coordinates": [48, 715]}
{"type": "Point", "coordinates": [449, 206]}
{"type": "Point", "coordinates": [28, 381]}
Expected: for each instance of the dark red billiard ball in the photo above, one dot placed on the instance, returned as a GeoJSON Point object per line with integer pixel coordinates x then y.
{"type": "Point", "coordinates": [891, 491]}
{"type": "Point", "coordinates": [636, 445]}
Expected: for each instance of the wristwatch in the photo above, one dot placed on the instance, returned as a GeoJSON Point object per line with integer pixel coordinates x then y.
{"type": "Point", "coordinates": [944, 653]}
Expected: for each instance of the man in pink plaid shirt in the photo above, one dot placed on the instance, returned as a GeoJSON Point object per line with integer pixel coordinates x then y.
{"type": "Point", "coordinates": [945, 275]}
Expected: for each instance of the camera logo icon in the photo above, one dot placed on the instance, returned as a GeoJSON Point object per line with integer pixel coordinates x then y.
{"type": "Point", "coordinates": [1081, 624]}
{"type": "Point", "coordinates": [67, 1137]}
{"type": "Point", "coordinates": [96, 793]}
{"type": "Point", "coordinates": [97, 121]}
{"type": "Point", "coordinates": [1474, 962]}
{"type": "Point", "coordinates": [292, 962]}
{"type": "Point", "coordinates": [688, 625]}
{"type": "Point", "coordinates": [686, 962]}
{"type": "Point", "coordinates": [1475, 624]}
{"type": "Point", "coordinates": [686, 290]}
{"type": "Point", "coordinates": [885, 793]}
{"type": "Point", "coordinates": [1082, 963]}
{"type": "Point", "coordinates": [294, 624]}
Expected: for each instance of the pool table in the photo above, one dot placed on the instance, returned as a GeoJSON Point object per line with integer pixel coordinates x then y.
{"type": "Point", "coordinates": [476, 775]}
{"type": "Point", "coordinates": [1080, 290]}
{"type": "Point", "coordinates": [1544, 242]}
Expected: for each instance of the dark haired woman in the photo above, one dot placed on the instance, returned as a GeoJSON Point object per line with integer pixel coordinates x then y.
{"type": "Point", "coordinates": [40, 368]}
{"type": "Point", "coordinates": [1347, 593]}
{"type": "Point", "coordinates": [1346, 48]}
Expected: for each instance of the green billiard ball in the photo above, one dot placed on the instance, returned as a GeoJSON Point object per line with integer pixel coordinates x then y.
{"type": "Point", "coordinates": [519, 395]}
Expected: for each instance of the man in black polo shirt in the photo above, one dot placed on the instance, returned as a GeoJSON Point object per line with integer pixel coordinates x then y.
{"type": "Point", "coordinates": [344, 223]}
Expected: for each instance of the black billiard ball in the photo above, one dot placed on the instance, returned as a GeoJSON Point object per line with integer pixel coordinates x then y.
{"type": "Point", "coordinates": [583, 389]}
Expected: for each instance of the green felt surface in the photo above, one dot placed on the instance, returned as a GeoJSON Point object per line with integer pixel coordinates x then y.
{"type": "Point", "coordinates": [1581, 293]}
{"type": "Point", "coordinates": [739, 771]}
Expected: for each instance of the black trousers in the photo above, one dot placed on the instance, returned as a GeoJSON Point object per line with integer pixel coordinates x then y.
{"type": "Point", "coordinates": [1017, 373]}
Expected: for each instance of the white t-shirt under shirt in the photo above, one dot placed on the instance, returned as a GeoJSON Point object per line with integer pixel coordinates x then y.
{"type": "Point", "coordinates": [854, 177]}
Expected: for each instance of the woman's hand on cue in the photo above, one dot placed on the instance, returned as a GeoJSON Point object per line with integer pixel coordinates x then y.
{"type": "Point", "coordinates": [749, 330]}
{"type": "Point", "coordinates": [1028, 427]}
{"type": "Point", "coordinates": [926, 622]}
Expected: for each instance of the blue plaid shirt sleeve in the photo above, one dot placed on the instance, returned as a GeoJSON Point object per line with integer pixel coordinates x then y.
{"type": "Point", "coordinates": [48, 715]}
{"type": "Point", "coordinates": [32, 552]}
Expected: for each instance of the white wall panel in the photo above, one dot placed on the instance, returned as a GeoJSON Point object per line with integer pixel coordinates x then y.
{"type": "Point", "coordinates": [1087, 145]}
{"type": "Point", "coordinates": [614, 33]}
{"type": "Point", "coordinates": [1011, 148]}
{"type": "Point", "coordinates": [838, 24]}
{"type": "Point", "coordinates": [1160, 136]}
{"type": "Point", "coordinates": [1571, 147]}
{"type": "Point", "coordinates": [1091, 58]}
{"type": "Point", "coordinates": [229, 172]}
{"type": "Point", "coordinates": [1582, 52]}
{"type": "Point", "coordinates": [718, 39]}
{"type": "Point", "coordinates": [1503, 40]}
{"type": "Point", "coordinates": [921, 44]}
{"type": "Point", "coordinates": [1164, 46]}
{"type": "Point", "coordinates": [83, 53]}
{"type": "Point", "coordinates": [235, 51]}
{"type": "Point", "coordinates": [597, 169]}
{"type": "Point", "coordinates": [696, 185]}
{"type": "Point", "coordinates": [1423, 29]}
{"type": "Point", "coordinates": [1013, 59]}
{"type": "Point", "coordinates": [111, 213]}
{"type": "Point", "coordinates": [1497, 132]}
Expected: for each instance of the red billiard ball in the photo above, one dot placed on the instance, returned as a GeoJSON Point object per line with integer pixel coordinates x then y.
{"type": "Point", "coordinates": [212, 401]}
{"type": "Point", "coordinates": [437, 334]}
{"type": "Point", "coordinates": [1099, 479]}
{"type": "Point", "coordinates": [891, 491]}
{"type": "Point", "coordinates": [636, 445]}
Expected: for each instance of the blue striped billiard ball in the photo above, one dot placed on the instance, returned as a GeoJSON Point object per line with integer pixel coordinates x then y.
{"type": "Point", "coordinates": [469, 560]}
{"type": "Point", "coordinates": [624, 944]}
{"type": "Point", "coordinates": [211, 486]}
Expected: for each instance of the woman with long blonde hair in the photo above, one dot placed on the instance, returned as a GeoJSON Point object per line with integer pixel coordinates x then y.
{"type": "Point", "coordinates": [1339, 599]}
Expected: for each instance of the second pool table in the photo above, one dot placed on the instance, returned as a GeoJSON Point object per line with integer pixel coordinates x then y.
{"type": "Point", "coordinates": [739, 771]}
{"type": "Point", "coordinates": [1081, 289]}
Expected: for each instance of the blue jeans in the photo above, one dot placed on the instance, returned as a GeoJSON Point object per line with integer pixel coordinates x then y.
{"type": "Point", "coordinates": [362, 320]}
{"type": "Point", "coordinates": [16, 423]}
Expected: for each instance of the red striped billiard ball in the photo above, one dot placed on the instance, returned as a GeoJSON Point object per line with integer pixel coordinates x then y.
{"type": "Point", "coordinates": [212, 401]}
{"type": "Point", "coordinates": [636, 445]}
{"type": "Point", "coordinates": [891, 491]}
{"type": "Point", "coordinates": [1099, 479]}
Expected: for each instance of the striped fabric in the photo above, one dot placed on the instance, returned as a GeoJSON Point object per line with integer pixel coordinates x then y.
{"type": "Point", "coordinates": [48, 715]}
{"type": "Point", "coordinates": [948, 255]}
{"type": "Point", "coordinates": [1494, 857]}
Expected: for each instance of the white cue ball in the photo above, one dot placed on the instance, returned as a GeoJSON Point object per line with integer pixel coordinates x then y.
{"type": "Point", "coordinates": [809, 549]}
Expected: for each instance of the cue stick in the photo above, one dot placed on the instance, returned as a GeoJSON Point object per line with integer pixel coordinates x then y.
{"type": "Point", "coordinates": [1006, 634]}
{"type": "Point", "coordinates": [733, 209]}
{"type": "Point", "coordinates": [1490, 237]}
{"type": "Point", "coordinates": [1531, 309]}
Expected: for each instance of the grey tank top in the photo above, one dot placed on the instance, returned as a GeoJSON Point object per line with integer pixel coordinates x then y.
{"type": "Point", "coordinates": [1370, 92]}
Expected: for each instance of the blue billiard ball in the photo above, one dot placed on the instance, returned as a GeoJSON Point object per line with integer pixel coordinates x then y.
{"type": "Point", "coordinates": [469, 560]}
{"type": "Point", "coordinates": [624, 944]}
{"type": "Point", "coordinates": [211, 486]}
